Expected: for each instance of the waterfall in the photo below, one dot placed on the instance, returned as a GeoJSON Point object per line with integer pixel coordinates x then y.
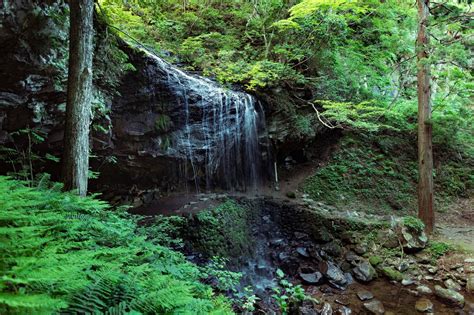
{"type": "Point", "coordinates": [220, 137]}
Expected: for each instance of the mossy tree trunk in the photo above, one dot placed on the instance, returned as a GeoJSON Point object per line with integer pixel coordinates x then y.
{"type": "Point", "coordinates": [425, 151]}
{"type": "Point", "coordinates": [79, 96]}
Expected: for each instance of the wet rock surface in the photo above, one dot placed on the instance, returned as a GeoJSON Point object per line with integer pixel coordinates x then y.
{"type": "Point", "coordinates": [312, 278]}
{"type": "Point", "coordinates": [449, 295]}
{"type": "Point", "coordinates": [374, 307]}
{"type": "Point", "coordinates": [364, 295]}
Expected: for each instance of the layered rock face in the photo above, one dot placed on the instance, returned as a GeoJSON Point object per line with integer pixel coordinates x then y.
{"type": "Point", "coordinates": [31, 67]}
{"type": "Point", "coordinates": [169, 128]}
{"type": "Point", "coordinates": [211, 136]}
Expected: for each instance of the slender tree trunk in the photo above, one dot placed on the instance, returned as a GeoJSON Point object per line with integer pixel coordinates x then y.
{"type": "Point", "coordinates": [425, 152]}
{"type": "Point", "coordinates": [79, 94]}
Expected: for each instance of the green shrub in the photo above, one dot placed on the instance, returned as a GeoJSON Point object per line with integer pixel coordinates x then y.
{"type": "Point", "coordinates": [413, 223]}
{"type": "Point", "coordinates": [438, 249]}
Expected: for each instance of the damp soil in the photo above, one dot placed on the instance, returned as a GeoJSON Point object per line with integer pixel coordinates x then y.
{"type": "Point", "coordinates": [259, 270]}
{"type": "Point", "coordinates": [396, 298]}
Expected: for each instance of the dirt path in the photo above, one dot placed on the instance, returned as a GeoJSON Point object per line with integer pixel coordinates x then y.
{"type": "Point", "coordinates": [457, 225]}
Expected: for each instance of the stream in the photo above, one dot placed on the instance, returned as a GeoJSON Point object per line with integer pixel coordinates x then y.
{"type": "Point", "coordinates": [315, 252]}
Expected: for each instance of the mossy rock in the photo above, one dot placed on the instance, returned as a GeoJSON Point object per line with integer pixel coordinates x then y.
{"type": "Point", "coordinates": [392, 274]}
{"type": "Point", "coordinates": [375, 260]}
{"type": "Point", "coordinates": [223, 231]}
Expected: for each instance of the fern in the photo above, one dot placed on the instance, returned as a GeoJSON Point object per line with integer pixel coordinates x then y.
{"type": "Point", "coordinates": [62, 253]}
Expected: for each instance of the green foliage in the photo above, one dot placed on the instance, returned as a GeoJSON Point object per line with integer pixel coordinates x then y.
{"type": "Point", "coordinates": [249, 300]}
{"type": "Point", "coordinates": [216, 270]}
{"type": "Point", "coordinates": [413, 223]}
{"type": "Point", "coordinates": [287, 295]}
{"type": "Point", "coordinates": [222, 231]}
{"type": "Point", "coordinates": [63, 252]}
{"type": "Point", "coordinates": [25, 162]}
{"type": "Point", "coordinates": [368, 173]}
{"type": "Point", "coordinates": [163, 123]}
{"type": "Point", "coordinates": [438, 249]}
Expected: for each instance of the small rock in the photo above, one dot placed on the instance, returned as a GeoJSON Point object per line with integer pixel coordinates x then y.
{"type": "Point", "coordinates": [277, 242]}
{"type": "Point", "coordinates": [302, 251]}
{"type": "Point", "coordinates": [422, 289]}
{"type": "Point", "coordinates": [403, 266]}
{"type": "Point", "coordinates": [433, 270]}
{"type": "Point", "coordinates": [312, 278]}
{"type": "Point", "coordinates": [333, 249]}
{"type": "Point", "coordinates": [451, 284]}
{"type": "Point", "coordinates": [424, 305]}
{"type": "Point", "coordinates": [282, 256]}
{"type": "Point", "coordinates": [429, 278]}
{"type": "Point", "coordinates": [351, 256]}
{"type": "Point", "coordinates": [300, 235]}
{"type": "Point", "coordinates": [388, 239]}
{"type": "Point", "coordinates": [469, 265]}
{"type": "Point", "coordinates": [323, 235]}
{"type": "Point", "coordinates": [374, 307]}
{"type": "Point", "coordinates": [291, 194]}
{"type": "Point", "coordinates": [423, 258]}
{"type": "Point", "coordinates": [449, 295]}
{"type": "Point", "coordinates": [334, 275]}
{"type": "Point", "coordinates": [470, 283]}
{"type": "Point", "coordinates": [345, 266]}
{"type": "Point", "coordinates": [456, 266]}
{"type": "Point", "coordinates": [306, 310]}
{"type": "Point", "coordinates": [364, 295]}
{"type": "Point", "coordinates": [413, 292]}
{"type": "Point", "coordinates": [326, 310]}
{"type": "Point", "coordinates": [364, 271]}
{"type": "Point", "coordinates": [407, 281]}
{"type": "Point", "coordinates": [361, 249]}
{"type": "Point", "coordinates": [344, 311]}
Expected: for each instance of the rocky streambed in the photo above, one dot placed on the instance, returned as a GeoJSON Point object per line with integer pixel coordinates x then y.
{"type": "Point", "coordinates": [347, 263]}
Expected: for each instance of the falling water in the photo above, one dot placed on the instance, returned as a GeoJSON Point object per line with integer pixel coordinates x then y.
{"type": "Point", "coordinates": [220, 138]}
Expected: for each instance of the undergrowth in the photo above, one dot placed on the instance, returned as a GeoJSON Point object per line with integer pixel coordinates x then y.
{"type": "Point", "coordinates": [63, 253]}
{"type": "Point", "coordinates": [378, 173]}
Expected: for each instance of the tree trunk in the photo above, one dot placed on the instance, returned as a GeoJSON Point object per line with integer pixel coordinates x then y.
{"type": "Point", "coordinates": [425, 153]}
{"type": "Point", "coordinates": [79, 95]}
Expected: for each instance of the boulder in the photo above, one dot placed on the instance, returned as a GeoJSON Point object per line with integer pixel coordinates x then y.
{"type": "Point", "coordinates": [411, 239]}
{"type": "Point", "coordinates": [449, 295]}
{"type": "Point", "coordinates": [334, 275]}
{"type": "Point", "coordinates": [364, 271]}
